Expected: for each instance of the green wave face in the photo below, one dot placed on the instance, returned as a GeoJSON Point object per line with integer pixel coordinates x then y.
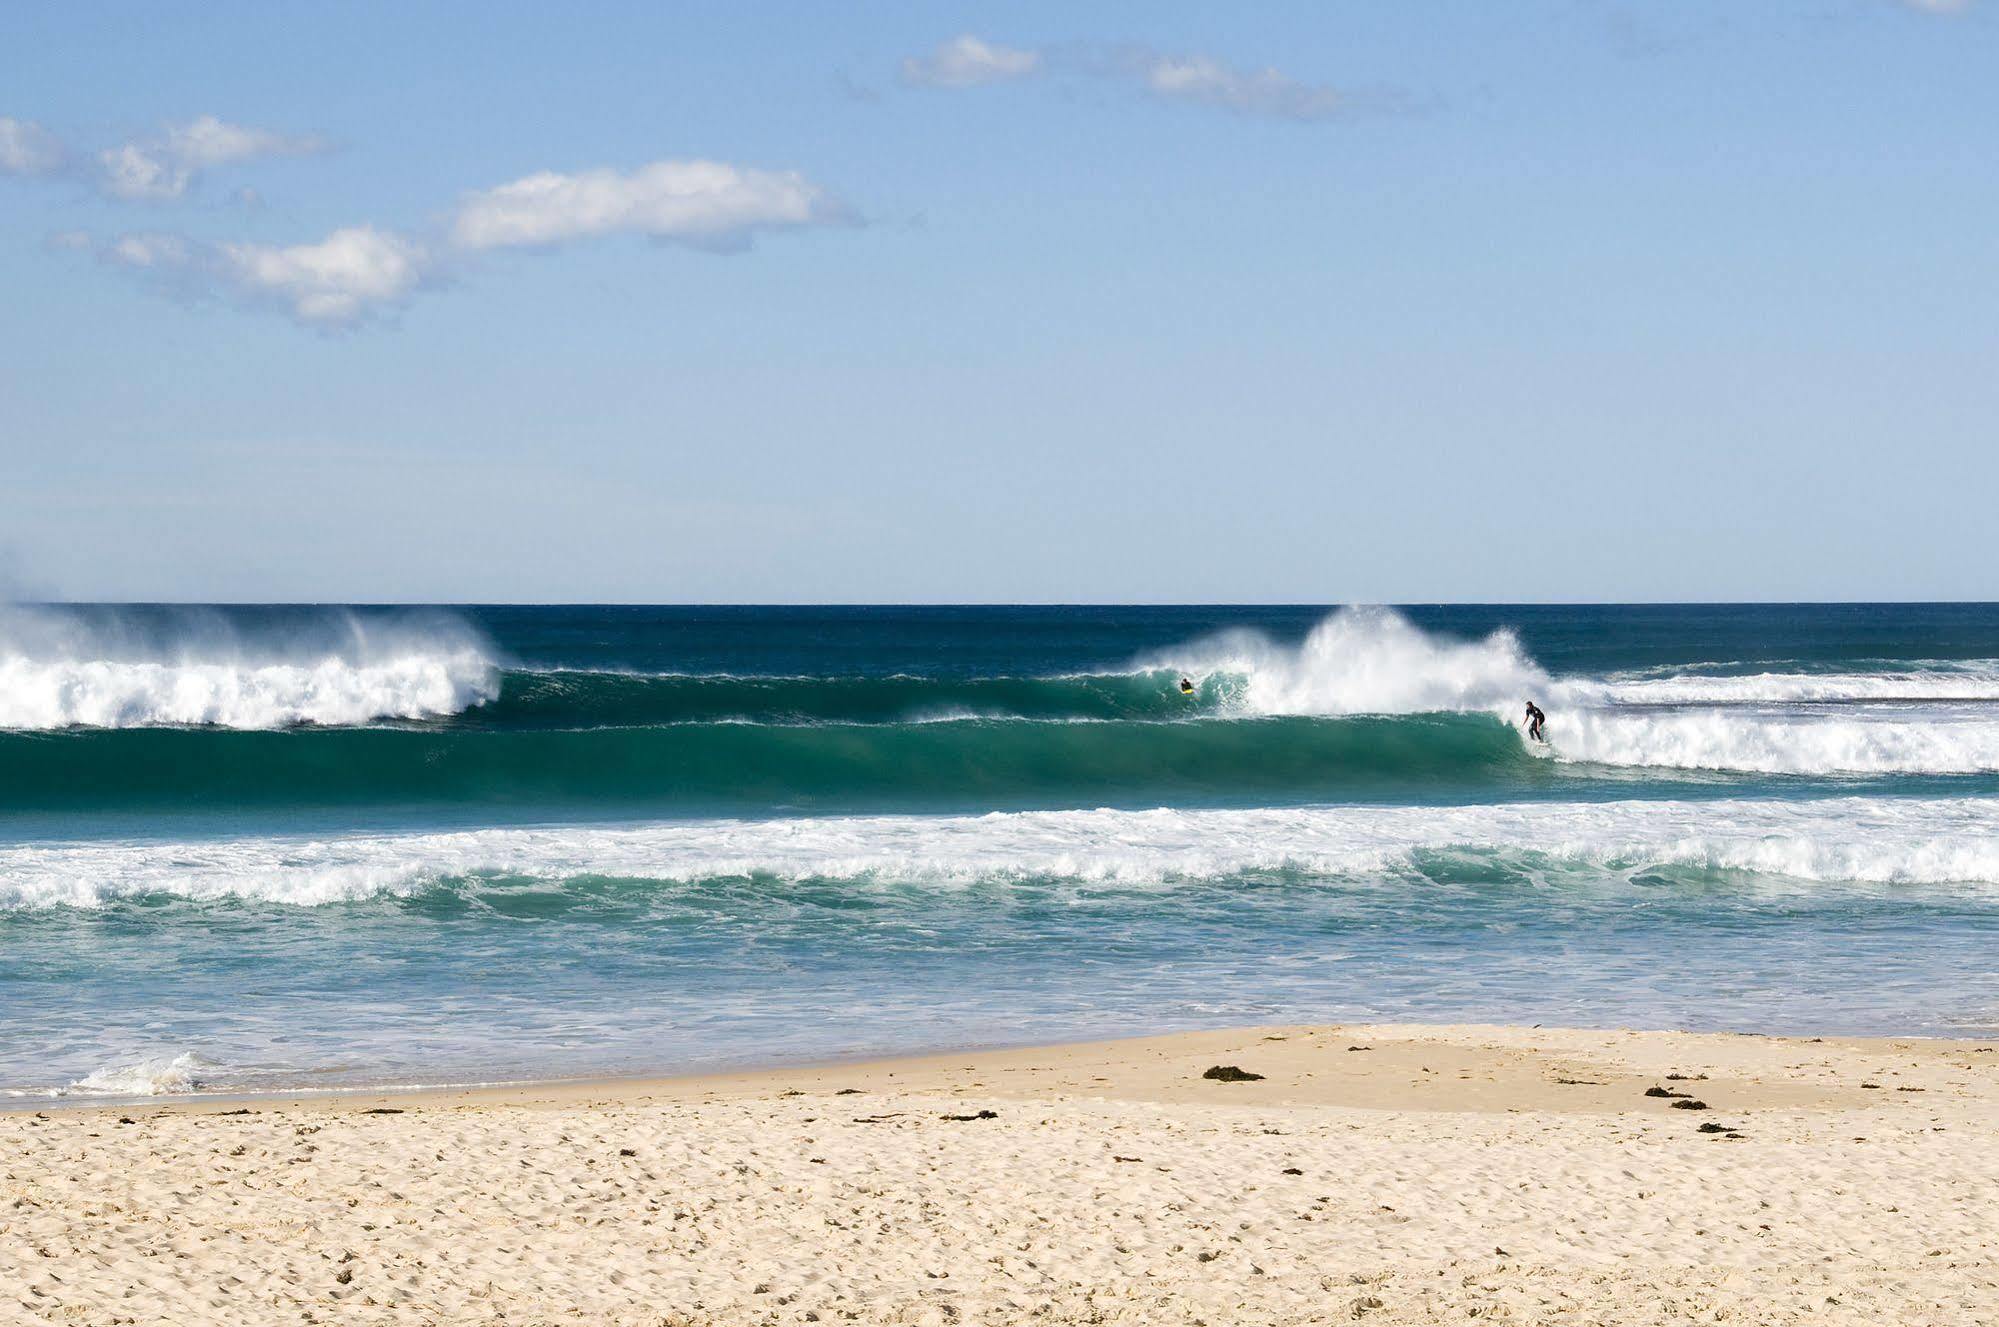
{"type": "Point", "coordinates": [614, 700]}
{"type": "Point", "coordinates": [703, 767]}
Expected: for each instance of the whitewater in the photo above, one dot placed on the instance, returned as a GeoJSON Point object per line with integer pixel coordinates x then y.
{"type": "Point", "coordinates": [106, 670]}
{"type": "Point", "coordinates": [274, 847]}
{"type": "Point", "coordinates": [1839, 839]}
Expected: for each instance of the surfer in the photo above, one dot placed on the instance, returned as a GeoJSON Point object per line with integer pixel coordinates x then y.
{"type": "Point", "coordinates": [1186, 686]}
{"type": "Point", "coordinates": [1534, 721]}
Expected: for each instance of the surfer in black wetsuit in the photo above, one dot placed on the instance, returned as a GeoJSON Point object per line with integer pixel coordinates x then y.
{"type": "Point", "coordinates": [1186, 686]}
{"type": "Point", "coordinates": [1534, 721]}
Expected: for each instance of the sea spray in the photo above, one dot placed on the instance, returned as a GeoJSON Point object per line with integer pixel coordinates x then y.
{"type": "Point", "coordinates": [99, 667]}
{"type": "Point", "coordinates": [1363, 661]}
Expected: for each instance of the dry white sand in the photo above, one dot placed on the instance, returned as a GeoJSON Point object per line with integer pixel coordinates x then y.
{"type": "Point", "coordinates": [1440, 1175]}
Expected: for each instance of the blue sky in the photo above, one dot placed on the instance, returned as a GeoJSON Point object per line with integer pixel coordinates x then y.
{"type": "Point", "coordinates": [1129, 302]}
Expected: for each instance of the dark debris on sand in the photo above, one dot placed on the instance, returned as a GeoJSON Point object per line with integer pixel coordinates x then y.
{"type": "Point", "coordinates": [1230, 1073]}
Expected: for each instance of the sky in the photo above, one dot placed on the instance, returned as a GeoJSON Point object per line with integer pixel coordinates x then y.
{"type": "Point", "coordinates": [1394, 300]}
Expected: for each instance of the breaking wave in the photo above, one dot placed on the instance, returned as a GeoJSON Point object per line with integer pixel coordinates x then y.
{"type": "Point", "coordinates": [1935, 741]}
{"type": "Point", "coordinates": [1842, 839]}
{"type": "Point", "coordinates": [553, 730]}
{"type": "Point", "coordinates": [91, 667]}
{"type": "Point", "coordinates": [1922, 719]}
{"type": "Point", "coordinates": [1361, 661]}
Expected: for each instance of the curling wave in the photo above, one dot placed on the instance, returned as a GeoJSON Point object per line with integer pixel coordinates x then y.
{"type": "Point", "coordinates": [1263, 718]}
{"type": "Point", "coordinates": [578, 699]}
{"type": "Point", "coordinates": [737, 768]}
{"type": "Point", "coordinates": [1934, 718]}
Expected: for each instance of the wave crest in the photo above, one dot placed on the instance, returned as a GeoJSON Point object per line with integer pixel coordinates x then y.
{"type": "Point", "coordinates": [111, 668]}
{"type": "Point", "coordinates": [1923, 719]}
{"type": "Point", "coordinates": [1363, 661]}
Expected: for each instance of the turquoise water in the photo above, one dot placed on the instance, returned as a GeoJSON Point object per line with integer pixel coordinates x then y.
{"type": "Point", "coordinates": [282, 847]}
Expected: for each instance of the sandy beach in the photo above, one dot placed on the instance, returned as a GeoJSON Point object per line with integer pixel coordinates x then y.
{"type": "Point", "coordinates": [1382, 1174]}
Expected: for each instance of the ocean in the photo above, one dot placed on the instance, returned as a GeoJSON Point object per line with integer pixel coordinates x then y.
{"type": "Point", "coordinates": [287, 848]}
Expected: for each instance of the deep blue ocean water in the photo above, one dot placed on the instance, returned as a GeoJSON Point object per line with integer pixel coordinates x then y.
{"type": "Point", "coordinates": [246, 848]}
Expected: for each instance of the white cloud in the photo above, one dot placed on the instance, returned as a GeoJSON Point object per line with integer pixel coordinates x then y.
{"type": "Point", "coordinates": [1208, 82]}
{"type": "Point", "coordinates": [28, 149]}
{"type": "Point", "coordinates": [346, 277]}
{"type": "Point", "coordinates": [352, 275]}
{"type": "Point", "coordinates": [360, 273]}
{"type": "Point", "coordinates": [1938, 6]}
{"type": "Point", "coordinates": [158, 169]}
{"type": "Point", "coordinates": [967, 61]}
{"type": "Point", "coordinates": [709, 204]}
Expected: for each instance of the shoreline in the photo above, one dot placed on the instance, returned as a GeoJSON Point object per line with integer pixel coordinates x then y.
{"type": "Point", "coordinates": [918, 1066]}
{"type": "Point", "coordinates": [1396, 1173]}
{"type": "Point", "coordinates": [933, 1070]}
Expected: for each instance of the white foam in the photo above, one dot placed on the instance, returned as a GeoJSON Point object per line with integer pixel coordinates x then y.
{"type": "Point", "coordinates": [1860, 839]}
{"type": "Point", "coordinates": [1972, 681]}
{"type": "Point", "coordinates": [1933, 742]}
{"type": "Point", "coordinates": [59, 671]}
{"type": "Point", "coordinates": [163, 1075]}
{"type": "Point", "coordinates": [100, 694]}
{"type": "Point", "coordinates": [1932, 720]}
{"type": "Point", "coordinates": [1362, 661]}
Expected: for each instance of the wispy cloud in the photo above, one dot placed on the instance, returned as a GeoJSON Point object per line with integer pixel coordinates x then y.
{"type": "Point", "coordinates": [1206, 81]}
{"type": "Point", "coordinates": [165, 167]}
{"type": "Point", "coordinates": [1195, 79]}
{"type": "Point", "coordinates": [150, 251]}
{"type": "Point", "coordinates": [354, 275]}
{"type": "Point", "coordinates": [706, 204]}
{"type": "Point", "coordinates": [28, 149]}
{"type": "Point", "coordinates": [967, 61]}
{"type": "Point", "coordinates": [1937, 6]}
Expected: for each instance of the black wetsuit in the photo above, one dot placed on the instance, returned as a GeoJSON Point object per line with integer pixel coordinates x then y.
{"type": "Point", "coordinates": [1534, 721]}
